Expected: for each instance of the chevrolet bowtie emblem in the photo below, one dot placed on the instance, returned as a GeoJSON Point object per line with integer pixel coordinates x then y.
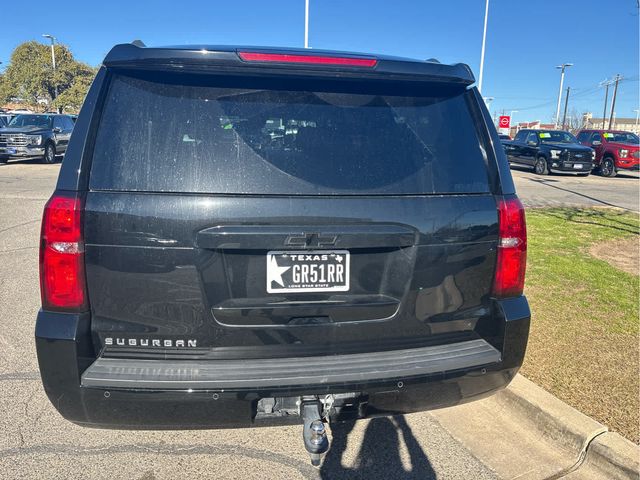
{"type": "Point", "coordinates": [310, 240]}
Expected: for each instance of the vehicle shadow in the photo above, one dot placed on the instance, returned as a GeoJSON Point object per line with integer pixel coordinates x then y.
{"type": "Point", "coordinates": [593, 199]}
{"type": "Point", "coordinates": [31, 161]}
{"type": "Point", "coordinates": [379, 453]}
{"type": "Point", "coordinates": [604, 219]}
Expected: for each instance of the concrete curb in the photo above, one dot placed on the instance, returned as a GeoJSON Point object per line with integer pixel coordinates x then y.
{"type": "Point", "coordinates": [614, 457]}
{"type": "Point", "coordinates": [543, 436]}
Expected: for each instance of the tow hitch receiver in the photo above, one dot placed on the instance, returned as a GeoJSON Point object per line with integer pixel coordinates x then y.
{"type": "Point", "coordinates": [314, 433]}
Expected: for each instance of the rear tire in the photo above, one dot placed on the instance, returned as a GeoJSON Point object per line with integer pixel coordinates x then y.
{"type": "Point", "coordinates": [608, 167]}
{"type": "Point", "coordinates": [541, 167]}
{"type": "Point", "coordinates": [49, 153]}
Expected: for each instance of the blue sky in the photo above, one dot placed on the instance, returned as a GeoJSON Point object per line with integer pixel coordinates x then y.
{"type": "Point", "coordinates": [525, 40]}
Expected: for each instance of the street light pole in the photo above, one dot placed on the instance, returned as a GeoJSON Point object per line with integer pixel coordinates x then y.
{"type": "Point", "coordinates": [637, 118]}
{"type": "Point", "coordinates": [562, 68]}
{"type": "Point", "coordinates": [53, 61]}
{"type": "Point", "coordinates": [484, 40]}
{"type": "Point", "coordinates": [306, 23]}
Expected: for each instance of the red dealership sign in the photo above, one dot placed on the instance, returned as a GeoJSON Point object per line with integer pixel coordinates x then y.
{"type": "Point", "coordinates": [504, 121]}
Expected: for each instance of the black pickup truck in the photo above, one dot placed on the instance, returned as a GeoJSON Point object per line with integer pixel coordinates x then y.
{"type": "Point", "coordinates": [267, 236]}
{"type": "Point", "coordinates": [549, 151]}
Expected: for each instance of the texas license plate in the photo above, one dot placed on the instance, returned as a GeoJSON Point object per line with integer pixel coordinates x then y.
{"type": "Point", "coordinates": [308, 271]}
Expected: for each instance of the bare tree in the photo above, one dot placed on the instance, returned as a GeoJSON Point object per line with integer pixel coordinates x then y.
{"type": "Point", "coordinates": [575, 121]}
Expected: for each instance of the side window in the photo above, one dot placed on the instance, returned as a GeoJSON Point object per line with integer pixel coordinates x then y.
{"type": "Point", "coordinates": [596, 137]}
{"type": "Point", "coordinates": [532, 137]}
{"type": "Point", "coordinates": [68, 123]}
{"type": "Point", "coordinates": [57, 123]}
{"type": "Point", "coordinates": [582, 137]}
{"type": "Point", "coordinates": [520, 136]}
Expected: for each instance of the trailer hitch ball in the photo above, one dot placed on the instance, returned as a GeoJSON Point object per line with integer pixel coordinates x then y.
{"type": "Point", "coordinates": [314, 433]}
{"type": "Point", "coordinates": [318, 432]}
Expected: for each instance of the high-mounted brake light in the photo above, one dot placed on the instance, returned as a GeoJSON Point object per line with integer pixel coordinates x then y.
{"type": "Point", "coordinates": [308, 59]}
{"type": "Point", "coordinates": [62, 277]}
{"type": "Point", "coordinates": [512, 248]}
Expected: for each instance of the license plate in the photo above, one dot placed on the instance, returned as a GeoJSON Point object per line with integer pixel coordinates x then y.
{"type": "Point", "coordinates": [577, 166]}
{"type": "Point", "coordinates": [308, 271]}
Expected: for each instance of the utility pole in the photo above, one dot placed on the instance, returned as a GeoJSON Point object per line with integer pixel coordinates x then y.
{"type": "Point", "coordinates": [306, 23]}
{"type": "Point", "coordinates": [613, 101]}
{"type": "Point", "coordinates": [484, 40]}
{"type": "Point", "coordinates": [637, 114]}
{"type": "Point", "coordinates": [566, 104]}
{"type": "Point", "coordinates": [606, 84]}
{"type": "Point", "coordinates": [562, 68]}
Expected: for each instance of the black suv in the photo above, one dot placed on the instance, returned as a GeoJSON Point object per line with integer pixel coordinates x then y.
{"type": "Point", "coordinates": [254, 236]}
{"type": "Point", "coordinates": [550, 151]}
{"type": "Point", "coordinates": [35, 136]}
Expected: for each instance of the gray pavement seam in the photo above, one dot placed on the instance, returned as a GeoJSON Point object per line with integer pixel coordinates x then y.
{"type": "Point", "coordinates": [303, 467]}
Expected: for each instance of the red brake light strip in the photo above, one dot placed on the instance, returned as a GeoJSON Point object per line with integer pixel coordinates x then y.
{"type": "Point", "coordinates": [308, 59]}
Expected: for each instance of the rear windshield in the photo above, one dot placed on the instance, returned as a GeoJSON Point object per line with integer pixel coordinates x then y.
{"type": "Point", "coordinates": [202, 138]}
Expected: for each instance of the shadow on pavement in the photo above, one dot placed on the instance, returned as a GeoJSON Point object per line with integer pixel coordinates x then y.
{"type": "Point", "coordinates": [379, 454]}
{"type": "Point", "coordinates": [593, 199]}
{"type": "Point", "coordinates": [30, 161]}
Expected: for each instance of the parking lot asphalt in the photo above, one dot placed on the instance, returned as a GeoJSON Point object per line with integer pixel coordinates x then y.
{"type": "Point", "coordinates": [37, 443]}
{"type": "Point", "coordinates": [622, 191]}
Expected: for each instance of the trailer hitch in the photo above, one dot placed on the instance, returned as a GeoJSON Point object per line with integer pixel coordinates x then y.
{"type": "Point", "coordinates": [314, 433]}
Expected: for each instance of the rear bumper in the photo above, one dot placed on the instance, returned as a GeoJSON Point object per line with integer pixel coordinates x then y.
{"type": "Point", "coordinates": [146, 394]}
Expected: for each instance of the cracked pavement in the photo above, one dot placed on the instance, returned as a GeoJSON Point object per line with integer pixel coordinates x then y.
{"type": "Point", "coordinates": [35, 442]}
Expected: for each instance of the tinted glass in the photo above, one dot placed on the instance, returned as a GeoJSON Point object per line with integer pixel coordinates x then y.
{"type": "Point", "coordinates": [582, 137]}
{"type": "Point", "coordinates": [622, 137]}
{"type": "Point", "coordinates": [596, 137]}
{"type": "Point", "coordinates": [58, 123]}
{"type": "Point", "coordinates": [41, 121]}
{"type": "Point", "coordinates": [201, 138]}
{"type": "Point", "coordinates": [557, 137]}
{"type": "Point", "coordinates": [68, 123]}
{"type": "Point", "coordinates": [520, 136]}
{"type": "Point", "coordinates": [532, 137]}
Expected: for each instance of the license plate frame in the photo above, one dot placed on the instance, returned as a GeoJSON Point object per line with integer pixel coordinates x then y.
{"type": "Point", "coordinates": [282, 276]}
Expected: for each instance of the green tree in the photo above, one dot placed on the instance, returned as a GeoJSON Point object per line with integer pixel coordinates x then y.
{"type": "Point", "coordinates": [30, 77]}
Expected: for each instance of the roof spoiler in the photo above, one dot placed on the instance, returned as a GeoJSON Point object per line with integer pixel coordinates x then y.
{"type": "Point", "coordinates": [227, 59]}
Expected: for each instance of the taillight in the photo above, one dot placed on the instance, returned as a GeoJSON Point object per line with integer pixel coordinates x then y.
{"type": "Point", "coordinates": [62, 279]}
{"type": "Point", "coordinates": [309, 59]}
{"type": "Point", "coordinates": [512, 248]}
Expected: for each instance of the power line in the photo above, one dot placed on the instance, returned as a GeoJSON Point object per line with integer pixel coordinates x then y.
{"type": "Point", "coordinates": [582, 92]}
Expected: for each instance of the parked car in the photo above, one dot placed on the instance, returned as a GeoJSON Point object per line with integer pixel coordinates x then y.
{"type": "Point", "coordinates": [35, 136]}
{"type": "Point", "coordinates": [549, 151]}
{"type": "Point", "coordinates": [197, 272]}
{"type": "Point", "coordinates": [615, 150]}
{"type": "Point", "coordinates": [504, 136]}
